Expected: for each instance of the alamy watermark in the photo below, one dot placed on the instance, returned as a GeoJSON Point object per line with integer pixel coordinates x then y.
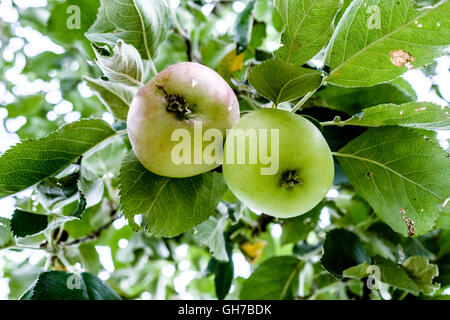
{"type": "Point", "coordinates": [251, 146]}
{"type": "Point", "coordinates": [74, 19]}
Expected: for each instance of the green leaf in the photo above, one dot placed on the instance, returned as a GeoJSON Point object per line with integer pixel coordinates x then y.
{"type": "Point", "coordinates": [353, 100]}
{"type": "Point", "coordinates": [54, 191]}
{"type": "Point", "coordinates": [62, 25]}
{"type": "Point", "coordinates": [378, 40]}
{"type": "Point", "coordinates": [115, 96]}
{"type": "Point", "coordinates": [124, 66]}
{"type": "Point", "coordinates": [170, 206]}
{"type": "Point", "coordinates": [38, 67]}
{"type": "Point", "coordinates": [230, 64]}
{"type": "Point", "coordinates": [303, 248]}
{"type": "Point", "coordinates": [89, 258]}
{"type": "Point", "coordinates": [243, 28]}
{"type": "Point", "coordinates": [415, 275]}
{"type": "Point", "coordinates": [272, 280]}
{"type": "Point", "coordinates": [358, 272]}
{"type": "Point", "coordinates": [422, 115]}
{"type": "Point", "coordinates": [143, 24]}
{"type": "Point", "coordinates": [342, 249]}
{"type": "Point", "coordinates": [21, 275]}
{"type": "Point", "coordinates": [81, 206]}
{"type": "Point", "coordinates": [32, 161]}
{"type": "Point", "coordinates": [263, 10]}
{"type": "Point", "coordinates": [279, 81]}
{"type": "Point", "coordinates": [106, 160]}
{"type": "Point", "coordinates": [60, 285]}
{"type": "Point", "coordinates": [298, 228]}
{"type": "Point", "coordinates": [210, 233]}
{"type": "Point", "coordinates": [223, 272]}
{"type": "Point", "coordinates": [342, 10]}
{"type": "Point", "coordinates": [308, 28]}
{"type": "Point", "coordinates": [6, 237]}
{"type": "Point", "coordinates": [444, 270]}
{"type": "Point", "coordinates": [90, 187]}
{"type": "Point", "coordinates": [422, 272]}
{"type": "Point", "coordinates": [394, 275]}
{"type": "Point", "coordinates": [399, 172]}
{"type": "Point", "coordinates": [26, 223]}
{"type": "Point", "coordinates": [26, 106]}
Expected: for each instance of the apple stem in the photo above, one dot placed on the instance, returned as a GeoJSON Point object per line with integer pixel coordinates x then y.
{"type": "Point", "coordinates": [177, 104]}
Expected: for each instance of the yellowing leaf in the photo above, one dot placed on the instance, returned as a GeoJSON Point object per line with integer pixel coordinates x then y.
{"type": "Point", "coordinates": [253, 251]}
{"type": "Point", "coordinates": [230, 64]}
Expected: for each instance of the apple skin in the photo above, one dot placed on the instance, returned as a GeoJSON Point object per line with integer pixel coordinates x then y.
{"type": "Point", "coordinates": [150, 125]}
{"type": "Point", "coordinates": [301, 147]}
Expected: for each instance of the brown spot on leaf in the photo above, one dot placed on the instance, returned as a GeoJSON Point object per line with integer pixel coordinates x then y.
{"type": "Point", "coordinates": [402, 58]}
{"type": "Point", "coordinates": [409, 223]}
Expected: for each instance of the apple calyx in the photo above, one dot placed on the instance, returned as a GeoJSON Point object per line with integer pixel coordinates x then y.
{"type": "Point", "coordinates": [290, 179]}
{"type": "Point", "coordinates": [177, 104]}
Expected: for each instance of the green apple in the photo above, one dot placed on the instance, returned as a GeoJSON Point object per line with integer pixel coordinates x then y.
{"type": "Point", "coordinates": [288, 167]}
{"type": "Point", "coordinates": [189, 98]}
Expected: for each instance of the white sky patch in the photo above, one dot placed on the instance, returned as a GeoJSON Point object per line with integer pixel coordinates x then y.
{"type": "Point", "coordinates": [36, 256]}
{"type": "Point", "coordinates": [7, 12]}
{"type": "Point", "coordinates": [52, 116]}
{"type": "Point", "coordinates": [275, 230]}
{"type": "Point", "coordinates": [72, 116]}
{"type": "Point", "coordinates": [63, 107]}
{"type": "Point", "coordinates": [7, 206]}
{"type": "Point", "coordinates": [207, 9]}
{"type": "Point", "coordinates": [173, 3]}
{"type": "Point", "coordinates": [423, 84]}
{"type": "Point", "coordinates": [30, 3]}
{"type": "Point", "coordinates": [182, 250]}
{"type": "Point", "coordinates": [443, 137]}
{"type": "Point", "coordinates": [104, 275]}
{"type": "Point", "coordinates": [238, 6]}
{"type": "Point", "coordinates": [123, 243]}
{"type": "Point", "coordinates": [53, 97]}
{"type": "Point", "coordinates": [222, 26]}
{"type": "Point", "coordinates": [15, 124]}
{"type": "Point", "coordinates": [184, 265]}
{"type": "Point", "coordinates": [4, 288]}
{"type": "Point", "coordinates": [242, 267]}
{"type": "Point", "coordinates": [442, 77]}
{"type": "Point", "coordinates": [324, 219]}
{"type": "Point", "coordinates": [272, 45]}
{"type": "Point", "coordinates": [168, 270]}
{"type": "Point", "coordinates": [181, 282]}
{"type": "Point", "coordinates": [104, 253]}
{"type": "Point", "coordinates": [37, 42]}
{"type": "Point", "coordinates": [108, 117]}
{"type": "Point", "coordinates": [84, 90]}
{"type": "Point", "coordinates": [146, 295]}
{"type": "Point", "coordinates": [120, 223]}
{"type": "Point", "coordinates": [332, 194]}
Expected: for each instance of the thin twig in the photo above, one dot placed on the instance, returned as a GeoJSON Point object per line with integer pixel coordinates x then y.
{"type": "Point", "coordinates": [94, 235]}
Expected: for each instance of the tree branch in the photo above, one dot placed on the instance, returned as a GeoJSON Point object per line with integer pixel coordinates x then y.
{"type": "Point", "coordinates": [94, 235]}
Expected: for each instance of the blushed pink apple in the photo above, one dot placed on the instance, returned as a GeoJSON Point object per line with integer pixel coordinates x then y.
{"type": "Point", "coordinates": [185, 96]}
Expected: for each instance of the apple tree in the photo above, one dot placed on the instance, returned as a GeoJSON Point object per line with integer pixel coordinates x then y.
{"type": "Point", "coordinates": [92, 208]}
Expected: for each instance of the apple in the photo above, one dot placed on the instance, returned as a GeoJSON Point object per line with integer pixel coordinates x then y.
{"type": "Point", "coordinates": [186, 97]}
{"type": "Point", "coordinates": [291, 168]}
